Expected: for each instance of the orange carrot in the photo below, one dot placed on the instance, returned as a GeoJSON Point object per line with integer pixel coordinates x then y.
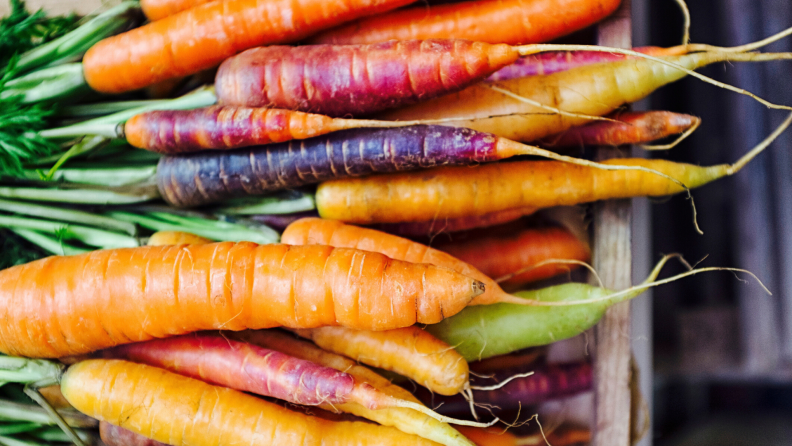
{"type": "Point", "coordinates": [60, 306]}
{"type": "Point", "coordinates": [161, 238]}
{"type": "Point", "coordinates": [406, 420]}
{"type": "Point", "coordinates": [501, 251]}
{"type": "Point", "coordinates": [495, 21]}
{"type": "Point", "coordinates": [182, 411]}
{"type": "Point", "coordinates": [159, 9]}
{"type": "Point", "coordinates": [203, 36]}
{"type": "Point", "coordinates": [336, 233]}
{"type": "Point", "coordinates": [407, 351]}
{"type": "Point", "coordinates": [494, 436]}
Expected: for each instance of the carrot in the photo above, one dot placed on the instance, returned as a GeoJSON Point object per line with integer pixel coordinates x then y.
{"type": "Point", "coordinates": [452, 192]}
{"type": "Point", "coordinates": [548, 382]}
{"type": "Point", "coordinates": [340, 80]}
{"type": "Point", "coordinates": [557, 61]}
{"type": "Point", "coordinates": [592, 90]}
{"type": "Point", "coordinates": [203, 36]}
{"type": "Point", "coordinates": [113, 435]}
{"type": "Point", "coordinates": [207, 177]}
{"type": "Point", "coordinates": [495, 21]}
{"type": "Point", "coordinates": [564, 436]}
{"type": "Point", "coordinates": [631, 128]}
{"type": "Point", "coordinates": [159, 9]}
{"type": "Point", "coordinates": [405, 419]}
{"type": "Point", "coordinates": [408, 351]}
{"type": "Point", "coordinates": [335, 233]}
{"type": "Point", "coordinates": [511, 250]}
{"type": "Point", "coordinates": [249, 368]}
{"type": "Point", "coordinates": [438, 226]}
{"type": "Point", "coordinates": [161, 238]}
{"type": "Point", "coordinates": [177, 410]}
{"type": "Point", "coordinates": [106, 298]}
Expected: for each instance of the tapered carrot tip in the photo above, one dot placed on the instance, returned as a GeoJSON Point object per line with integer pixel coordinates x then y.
{"type": "Point", "coordinates": [498, 56]}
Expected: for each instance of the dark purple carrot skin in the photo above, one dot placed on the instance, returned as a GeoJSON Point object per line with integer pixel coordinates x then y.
{"type": "Point", "coordinates": [634, 128]}
{"type": "Point", "coordinates": [547, 383]}
{"type": "Point", "coordinates": [212, 176]}
{"type": "Point", "coordinates": [344, 80]}
{"type": "Point", "coordinates": [281, 221]}
{"type": "Point", "coordinates": [241, 366]}
{"type": "Point", "coordinates": [449, 225]}
{"type": "Point", "coordinates": [557, 61]}
{"type": "Point", "coordinates": [113, 435]}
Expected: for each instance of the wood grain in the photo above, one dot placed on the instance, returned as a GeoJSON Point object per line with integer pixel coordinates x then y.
{"type": "Point", "coordinates": [613, 261]}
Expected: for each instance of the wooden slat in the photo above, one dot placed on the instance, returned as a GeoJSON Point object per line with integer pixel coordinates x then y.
{"type": "Point", "coordinates": [612, 259]}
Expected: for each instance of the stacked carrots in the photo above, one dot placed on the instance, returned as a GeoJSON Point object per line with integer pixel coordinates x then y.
{"type": "Point", "coordinates": [403, 135]}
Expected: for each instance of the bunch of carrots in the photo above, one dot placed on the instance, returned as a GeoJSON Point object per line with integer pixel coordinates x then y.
{"type": "Point", "coordinates": [355, 219]}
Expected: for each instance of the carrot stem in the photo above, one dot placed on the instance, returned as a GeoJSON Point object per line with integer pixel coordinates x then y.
{"type": "Point", "coordinates": [35, 414]}
{"type": "Point", "coordinates": [25, 371]}
{"type": "Point", "coordinates": [67, 215]}
{"type": "Point", "coordinates": [90, 236]}
{"type": "Point", "coordinates": [287, 202]}
{"type": "Point", "coordinates": [211, 229]}
{"type": "Point", "coordinates": [56, 417]}
{"type": "Point", "coordinates": [47, 243]}
{"type": "Point", "coordinates": [101, 176]}
{"type": "Point", "coordinates": [78, 196]}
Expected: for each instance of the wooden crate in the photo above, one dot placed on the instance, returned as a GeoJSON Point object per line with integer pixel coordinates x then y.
{"type": "Point", "coordinates": [610, 344]}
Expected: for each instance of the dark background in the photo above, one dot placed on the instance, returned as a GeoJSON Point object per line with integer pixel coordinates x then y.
{"type": "Point", "coordinates": [722, 348]}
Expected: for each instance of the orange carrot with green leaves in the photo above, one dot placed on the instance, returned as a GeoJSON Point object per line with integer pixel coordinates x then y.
{"type": "Point", "coordinates": [202, 37]}
{"type": "Point", "coordinates": [180, 411]}
{"type": "Point", "coordinates": [111, 297]}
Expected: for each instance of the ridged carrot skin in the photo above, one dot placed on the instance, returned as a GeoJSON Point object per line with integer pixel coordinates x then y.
{"type": "Point", "coordinates": [161, 238]}
{"type": "Point", "coordinates": [241, 366]}
{"type": "Point", "coordinates": [309, 231]}
{"type": "Point", "coordinates": [405, 419]}
{"type": "Point", "coordinates": [547, 383]}
{"type": "Point", "coordinates": [449, 225]}
{"type": "Point", "coordinates": [453, 192]}
{"type": "Point", "coordinates": [207, 177]}
{"type": "Point", "coordinates": [632, 128]}
{"type": "Point", "coordinates": [557, 61]}
{"type": "Point", "coordinates": [504, 250]}
{"type": "Point", "coordinates": [408, 351]}
{"type": "Point", "coordinates": [202, 37]}
{"type": "Point", "coordinates": [182, 411]}
{"type": "Point", "coordinates": [222, 127]}
{"type": "Point", "coordinates": [343, 80]}
{"type": "Point", "coordinates": [118, 436]}
{"type": "Point", "coordinates": [159, 9]}
{"type": "Point", "coordinates": [61, 306]}
{"type": "Point", "coordinates": [597, 90]}
{"type": "Point", "coordinates": [495, 21]}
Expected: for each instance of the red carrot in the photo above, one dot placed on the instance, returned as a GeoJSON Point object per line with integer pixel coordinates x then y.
{"type": "Point", "coordinates": [203, 36]}
{"type": "Point", "coordinates": [632, 128]}
{"type": "Point", "coordinates": [439, 226]}
{"type": "Point", "coordinates": [237, 365]}
{"type": "Point", "coordinates": [546, 383]}
{"type": "Point", "coordinates": [556, 61]}
{"type": "Point", "coordinates": [113, 435]}
{"type": "Point", "coordinates": [356, 79]}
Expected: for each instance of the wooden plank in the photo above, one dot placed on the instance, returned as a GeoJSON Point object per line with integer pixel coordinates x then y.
{"type": "Point", "coordinates": [613, 261]}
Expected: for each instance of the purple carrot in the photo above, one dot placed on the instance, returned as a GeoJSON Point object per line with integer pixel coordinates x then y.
{"type": "Point", "coordinates": [448, 225]}
{"type": "Point", "coordinates": [207, 177]}
{"type": "Point", "coordinates": [548, 382]}
{"type": "Point", "coordinates": [553, 62]}
{"type": "Point", "coordinates": [113, 435]}
{"type": "Point", "coordinates": [279, 222]}
{"type": "Point", "coordinates": [343, 80]}
{"type": "Point", "coordinates": [633, 128]}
